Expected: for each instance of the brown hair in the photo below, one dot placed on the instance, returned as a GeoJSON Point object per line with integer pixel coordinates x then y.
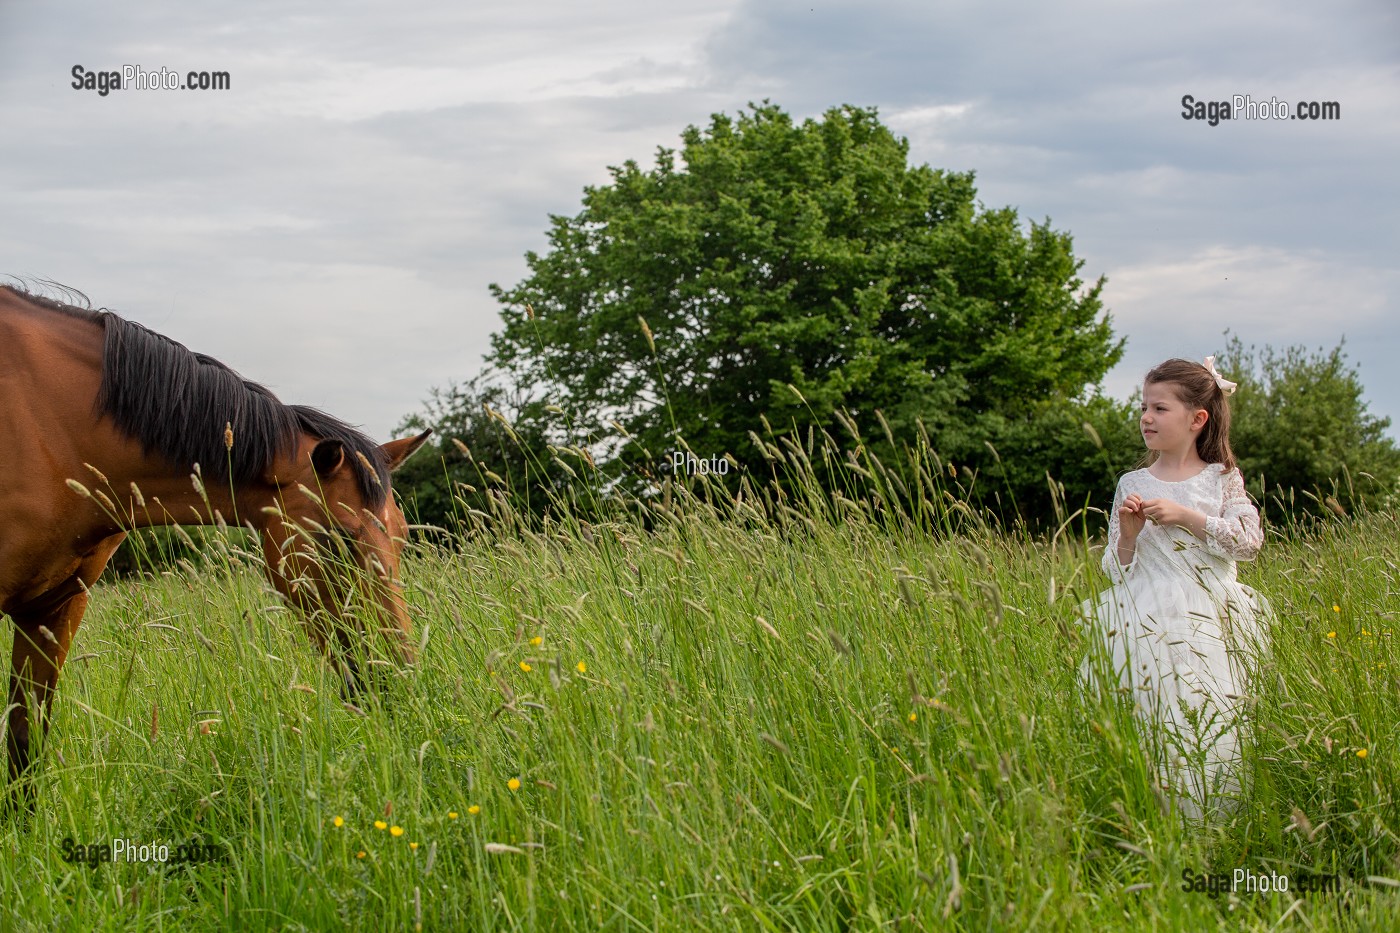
{"type": "Point", "coordinates": [1195, 387]}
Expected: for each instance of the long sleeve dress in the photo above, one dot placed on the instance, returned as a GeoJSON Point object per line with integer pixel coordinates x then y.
{"type": "Point", "coordinates": [1179, 630]}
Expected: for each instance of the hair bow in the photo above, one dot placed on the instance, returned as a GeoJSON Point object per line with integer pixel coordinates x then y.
{"type": "Point", "coordinates": [1226, 385]}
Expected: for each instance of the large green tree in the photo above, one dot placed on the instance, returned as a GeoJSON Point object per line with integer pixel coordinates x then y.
{"type": "Point", "coordinates": [688, 298]}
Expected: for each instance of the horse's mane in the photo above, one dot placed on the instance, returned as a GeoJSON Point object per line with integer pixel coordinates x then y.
{"type": "Point", "coordinates": [176, 403]}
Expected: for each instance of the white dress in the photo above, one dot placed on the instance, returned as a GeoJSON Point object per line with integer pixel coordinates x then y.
{"type": "Point", "coordinates": [1180, 631]}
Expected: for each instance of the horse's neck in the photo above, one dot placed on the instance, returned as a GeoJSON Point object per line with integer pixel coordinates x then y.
{"type": "Point", "coordinates": [167, 499]}
{"type": "Point", "coordinates": [46, 344]}
{"type": "Point", "coordinates": [48, 415]}
{"type": "Point", "coordinates": [155, 493]}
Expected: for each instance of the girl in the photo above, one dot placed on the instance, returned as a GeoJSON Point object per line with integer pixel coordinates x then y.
{"type": "Point", "coordinates": [1177, 622]}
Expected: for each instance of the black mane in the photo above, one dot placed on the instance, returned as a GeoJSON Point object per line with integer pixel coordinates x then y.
{"type": "Point", "coordinates": [176, 403]}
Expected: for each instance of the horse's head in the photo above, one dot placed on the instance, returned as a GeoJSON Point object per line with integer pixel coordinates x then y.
{"type": "Point", "coordinates": [332, 544]}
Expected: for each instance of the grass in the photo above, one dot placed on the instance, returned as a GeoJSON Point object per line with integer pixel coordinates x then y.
{"type": "Point", "coordinates": [775, 713]}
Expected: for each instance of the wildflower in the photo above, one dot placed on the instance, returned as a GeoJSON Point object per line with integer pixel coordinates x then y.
{"type": "Point", "coordinates": [1331, 634]}
{"type": "Point", "coordinates": [413, 845]}
{"type": "Point", "coordinates": [537, 641]}
{"type": "Point", "coordinates": [339, 821]}
{"type": "Point", "coordinates": [1361, 753]}
{"type": "Point", "coordinates": [380, 824]}
{"type": "Point", "coordinates": [513, 783]}
{"type": "Point", "coordinates": [1336, 608]}
{"type": "Point", "coordinates": [581, 667]}
{"type": "Point", "coordinates": [1364, 632]}
{"type": "Point", "coordinates": [360, 854]}
{"type": "Point", "coordinates": [451, 814]}
{"type": "Point", "coordinates": [474, 809]}
{"type": "Point", "coordinates": [913, 717]}
{"type": "Point", "coordinates": [525, 667]}
{"type": "Point", "coordinates": [396, 831]}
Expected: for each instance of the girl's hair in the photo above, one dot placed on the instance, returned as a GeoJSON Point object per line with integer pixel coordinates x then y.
{"type": "Point", "coordinates": [1196, 388]}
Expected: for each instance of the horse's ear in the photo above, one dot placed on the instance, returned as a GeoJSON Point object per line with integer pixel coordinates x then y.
{"type": "Point", "coordinates": [327, 457]}
{"type": "Point", "coordinates": [396, 452]}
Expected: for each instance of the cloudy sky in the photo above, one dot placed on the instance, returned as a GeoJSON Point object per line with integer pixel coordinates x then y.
{"type": "Point", "coordinates": [330, 224]}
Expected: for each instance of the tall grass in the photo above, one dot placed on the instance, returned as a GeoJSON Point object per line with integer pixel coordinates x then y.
{"type": "Point", "coordinates": [772, 707]}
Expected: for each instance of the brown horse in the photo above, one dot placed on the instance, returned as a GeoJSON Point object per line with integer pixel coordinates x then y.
{"type": "Point", "coordinates": [102, 423]}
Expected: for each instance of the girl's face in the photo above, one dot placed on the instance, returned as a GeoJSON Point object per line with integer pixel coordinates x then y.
{"type": "Point", "coordinates": [1167, 424]}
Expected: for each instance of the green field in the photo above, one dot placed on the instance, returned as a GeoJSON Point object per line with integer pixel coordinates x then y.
{"type": "Point", "coordinates": [757, 715]}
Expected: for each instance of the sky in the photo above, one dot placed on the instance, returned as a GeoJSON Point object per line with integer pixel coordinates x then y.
{"type": "Point", "coordinates": [329, 225]}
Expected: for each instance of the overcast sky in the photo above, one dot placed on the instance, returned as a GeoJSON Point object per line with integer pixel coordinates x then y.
{"type": "Point", "coordinates": [329, 225]}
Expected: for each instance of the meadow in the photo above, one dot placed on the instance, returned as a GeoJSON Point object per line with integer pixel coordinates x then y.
{"type": "Point", "coordinates": [757, 711]}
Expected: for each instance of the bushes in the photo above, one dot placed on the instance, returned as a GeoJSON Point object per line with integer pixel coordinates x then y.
{"type": "Point", "coordinates": [1303, 434]}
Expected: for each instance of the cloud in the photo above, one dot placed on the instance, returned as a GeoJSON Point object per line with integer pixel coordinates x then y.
{"type": "Point", "coordinates": [1182, 307]}
{"type": "Point", "coordinates": [342, 209]}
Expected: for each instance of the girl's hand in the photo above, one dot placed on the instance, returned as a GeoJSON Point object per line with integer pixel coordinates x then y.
{"type": "Point", "coordinates": [1168, 512]}
{"type": "Point", "coordinates": [1130, 517]}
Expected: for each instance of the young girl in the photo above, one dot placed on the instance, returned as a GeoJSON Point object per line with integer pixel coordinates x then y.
{"type": "Point", "coordinates": [1177, 622]}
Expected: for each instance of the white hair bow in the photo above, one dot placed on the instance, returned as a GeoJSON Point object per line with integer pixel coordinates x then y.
{"type": "Point", "coordinates": [1226, 385]}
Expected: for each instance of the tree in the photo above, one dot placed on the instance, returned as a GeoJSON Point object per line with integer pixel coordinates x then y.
{"type": "Point", "coordinates": [485, 437]}
{"type": "Point", "coordinates": [1298, 422]}
{"type": "Point", "coordinates": [692, 299]}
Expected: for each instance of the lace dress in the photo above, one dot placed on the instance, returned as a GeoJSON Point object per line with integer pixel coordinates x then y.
{"type": "Point", "coordinates": [1179, 630]}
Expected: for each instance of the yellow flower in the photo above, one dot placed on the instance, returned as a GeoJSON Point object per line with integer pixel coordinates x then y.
{"type": "Point", "coordinates": [473, 809]}
{"type": "Point", "coordinates": [396, 831]}
{"type": "Point", "coordinates": [1361, 753]}
{"type": "Point", "coordinates": [1336, 608]}
{"type": "Point", "coordinates": [413, 845]}
{"type": "Point", "coordinates": [1331, 634]}
{"type": "Point", "coordinates": [339, 821]}
{"type": "Point", "coordinates": [380, 824]}
{"type": "Point", "coordinates": [513, 783]}
{"type": "Point", "coordinates": [582, 668]}
{"type": "Point", "coordinates": [360, 854]}
{"type": "Point", "coordinates": [537, 641]}
{"type": "Point", "coordinates": [451, 814]}
{"type": "Point", "coordinates": [913, 717]}
{"type": "Point", "coordinates": [525, 667]}
{"type": "Point", "coordinates": [1364, 632]}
